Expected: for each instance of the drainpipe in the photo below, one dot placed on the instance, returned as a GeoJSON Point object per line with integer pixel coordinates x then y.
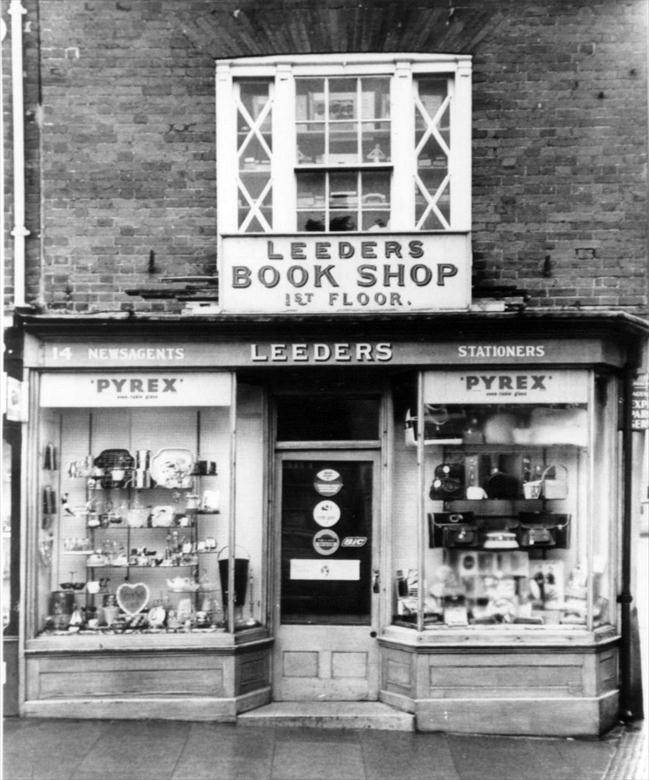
{"type": "Point", "coordinates": [19, 231]}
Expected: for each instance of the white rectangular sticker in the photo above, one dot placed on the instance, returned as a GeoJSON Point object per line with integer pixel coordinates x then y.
{"type": "Point", "coordinates": [480, 386]}
{"type": "Point", "coordinates": [323, 569]}
{"type": "Point", "coordinates": [141, 388]}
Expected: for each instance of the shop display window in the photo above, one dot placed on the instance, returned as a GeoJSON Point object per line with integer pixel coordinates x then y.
{"type": "Point", "coordinates": [512, 523]}
{"type": "Point", "coordinates": [135, 518]}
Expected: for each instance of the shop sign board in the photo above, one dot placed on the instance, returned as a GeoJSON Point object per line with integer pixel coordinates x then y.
{"type": "Point", "coordinates": [482, 386]}
{"type": "Point", "coordinates": [321, 352]}
{"type": "Point", "coordinates": [640, 404]}
{"type": "Point", "coordinates": [329, 274]}
{"type": "Point", "coordinates": [142, 388]}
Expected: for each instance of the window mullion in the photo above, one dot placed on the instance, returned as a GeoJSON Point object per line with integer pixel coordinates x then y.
{"type": "Point", "coordinates": [460, 157]}
{"type": "Point", "coordinates": [284, 155]}
{"type": "Point", "coordinates": [402, 196]}
{"type": "Point", "coordinates": [226, 150]}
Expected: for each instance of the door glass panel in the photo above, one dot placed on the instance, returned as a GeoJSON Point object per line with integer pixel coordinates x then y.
{"type": "Point", "coordinates": [327, 419]}
{"type": "Point", "coordinates": [326, 542]}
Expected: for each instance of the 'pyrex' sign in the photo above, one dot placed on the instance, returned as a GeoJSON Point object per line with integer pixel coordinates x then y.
{"type": "Point", "coordinates": [543, 385]}
{"type": "Point", "coordinates": [330, 273]}
{"type": "Point", "coordinates": [136, 389]}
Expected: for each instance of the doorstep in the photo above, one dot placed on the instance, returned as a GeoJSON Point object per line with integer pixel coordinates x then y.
{"type": "Point", "coordinates": [329, 715]}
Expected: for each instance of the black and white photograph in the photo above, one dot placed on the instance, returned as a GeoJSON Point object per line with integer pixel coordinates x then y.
{"type": "Point", "coordinates": [325, 389]}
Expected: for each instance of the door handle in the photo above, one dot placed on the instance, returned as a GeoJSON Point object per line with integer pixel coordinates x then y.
{"type": "Point", "coordinates": [376, 585]}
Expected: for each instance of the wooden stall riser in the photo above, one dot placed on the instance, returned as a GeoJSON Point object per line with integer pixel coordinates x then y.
{"type": "Point", "coordinates": [203, 686]}
{"type": "Point", "coordinates": [573, 693]}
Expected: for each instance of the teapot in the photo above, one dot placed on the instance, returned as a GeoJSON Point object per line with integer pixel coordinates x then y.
{"type": "Point", "coordinates": [181, 584]}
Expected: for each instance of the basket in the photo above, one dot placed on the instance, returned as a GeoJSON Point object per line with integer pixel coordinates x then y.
{"type": "Point", "coordinates": [114, 459]}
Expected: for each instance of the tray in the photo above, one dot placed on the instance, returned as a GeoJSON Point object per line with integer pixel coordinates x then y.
{"type": "Point", "coordinates": [171, 468]}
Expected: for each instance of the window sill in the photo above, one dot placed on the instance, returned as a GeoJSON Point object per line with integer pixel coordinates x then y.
{"type": "Point", "coordinates": [443, 638]}
{"type": "Point", "coordinates": [88, 641]}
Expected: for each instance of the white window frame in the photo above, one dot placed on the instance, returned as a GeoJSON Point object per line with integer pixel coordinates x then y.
{"type": "Point", "coordinates": [402, 68]}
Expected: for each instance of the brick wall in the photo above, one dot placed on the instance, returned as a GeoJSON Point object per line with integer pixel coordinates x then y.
{"type": "Point", "coordinates": [127, 135]}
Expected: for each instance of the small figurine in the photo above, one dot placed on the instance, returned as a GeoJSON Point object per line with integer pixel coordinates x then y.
{"type": "Point", "coordinates": [377, 155]}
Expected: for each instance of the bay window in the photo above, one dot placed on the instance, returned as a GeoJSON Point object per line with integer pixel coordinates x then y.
{"type": "Point", "coordinates": [335, 144]}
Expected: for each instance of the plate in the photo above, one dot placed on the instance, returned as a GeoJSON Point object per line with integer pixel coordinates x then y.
{"type": "Point", "coordinates": [172, 468]}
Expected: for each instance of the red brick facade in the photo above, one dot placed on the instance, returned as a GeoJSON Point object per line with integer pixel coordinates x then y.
{"type": "Point", "coordinates": [120, 136]}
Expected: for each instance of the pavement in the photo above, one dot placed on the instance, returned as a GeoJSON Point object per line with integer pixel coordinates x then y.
{"type": "Point", "coordinates": [44, 749]}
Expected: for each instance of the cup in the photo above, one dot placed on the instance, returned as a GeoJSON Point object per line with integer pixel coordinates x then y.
{"type": "Point", "coordinates": [475, 493]}
{"type": "Point", "coordinates": [93, 586]}
{"type": "Point", "coordinates": [118, 475]}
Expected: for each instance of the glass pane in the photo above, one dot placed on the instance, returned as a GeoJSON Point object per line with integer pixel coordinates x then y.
{"type": "Point", "coordinates": [255, 226]}
{"type": "Point", "coordinates": [309, 96]}
{"type": "Point", "coordinates": [375, 200]}
{"type": "Point", "coordinates": [311, 221]}
{"type": "Point", "coordinates": [310, 143]}
{"type": "Point", "coordinates": [254, 96]}
{"type": "Point", "coordinates": [375, 189]}
{"type": "Point", "coordinates": [327, 419]}
{"type": "Point", "coordinates": [322, 580]}
{"type": "Point", "coordinates": [343, 143]}
{"type": "Point", "coordinates": [343, 221]}
{"type": "Point", "coordinates": [432, 155]}
{"type": "Point", "coordinates": [253, 153]}
{"type": "Point", "coordinates": [342, 99]}
{"type": "Point", "coordinates": [254, 183]}
{"type": "Point", "coordinates": [376, 142]}
{"type": "Point", "coordinates": [432, 222]}
{"type": "Point", "coordinates": [310, 190]}
{"type": "Point", "coordinates": [376, 220]}
{"type": "Point", "coordinates": [375, 98]}
{"type": "Point", "coordinates": [432, 92]}
{"type": "Point", "coordinates": [343, 190]}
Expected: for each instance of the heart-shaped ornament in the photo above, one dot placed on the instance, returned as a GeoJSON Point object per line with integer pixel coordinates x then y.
{"type": "Point", "coordinates": [132, 598]}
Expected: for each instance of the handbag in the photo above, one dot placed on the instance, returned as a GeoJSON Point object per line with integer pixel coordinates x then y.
{"type": "Point", "coordinates": [453, 529]}
{"type": "Point", "coordinates": [543, 529]}
{"type": "Point", "coordinates": [448, 482]}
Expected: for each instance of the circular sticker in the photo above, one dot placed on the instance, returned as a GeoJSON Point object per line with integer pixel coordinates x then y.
{"type": "Point", "coordinates": [328, 482]}
{"type": "Point", "coordinates": [326, 513]}
{"type": "Point", "coordinates": [326, 542]}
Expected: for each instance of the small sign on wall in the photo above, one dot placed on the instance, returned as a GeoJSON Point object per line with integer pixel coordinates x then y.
{"type": "Point", "coordinates": [640, 403]}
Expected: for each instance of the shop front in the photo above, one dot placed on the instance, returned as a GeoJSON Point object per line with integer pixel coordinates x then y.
{"type": "Point", "coordinates": [219, 522]}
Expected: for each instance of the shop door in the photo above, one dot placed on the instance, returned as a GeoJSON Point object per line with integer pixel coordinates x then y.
{"type": "Point", "coordinates": [327, 583]}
